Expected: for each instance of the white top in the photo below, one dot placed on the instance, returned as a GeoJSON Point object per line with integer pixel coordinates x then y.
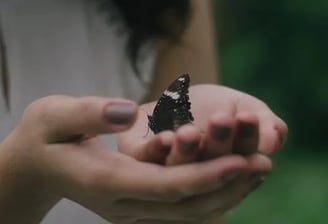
{"type": "Point", "coordinates": [63, 47]}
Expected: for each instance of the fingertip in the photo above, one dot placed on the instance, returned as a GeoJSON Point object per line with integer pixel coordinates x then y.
{"type": "Point", "coordinates": [152, 151]}
{"type": "Point", "coordinates": [259, 163]}
{"type": "Point", "coordinates": [165, 144]}
{"type": "Point", "coordinates": [188, 139]}
{"type": "Point", "coordinates": [166, 137]}
{"type": "Point", "coordinates": [270, 140]}
{"type": "Point", "coordinates": [186, 145]}
{"type": "Point", "coordinates": [273, 133]}
{"type": "Point", "coordinates": [229, 165]}
{"type": "Point", "coordinates": [247, 124]}
{"type": "Point", "coordinates": [282, 129]}
{"type": "Point", "coordinates": [247, 133]}
{"type": "Point", "coordinates": [220, 126]}
{"type": "Point", "coordinates": [157, 148]}
{"type": "Point", "coordinates": [120, 114]}
{"type": "Point", "coordinates": [218, 138]}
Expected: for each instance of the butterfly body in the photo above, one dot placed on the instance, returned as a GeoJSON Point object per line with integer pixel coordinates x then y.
{"type": "Point", "coordinates": [173, 108]}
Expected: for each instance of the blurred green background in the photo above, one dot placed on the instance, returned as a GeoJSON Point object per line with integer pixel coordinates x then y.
{"type": "Point", "coordinates": [277, 50]}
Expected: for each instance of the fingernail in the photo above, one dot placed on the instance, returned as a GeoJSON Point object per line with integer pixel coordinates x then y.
{"type": "Point", "coordinates": [165, 150]}
{"type": "Point", "coordinates": [247, 130]}
{"type": "Point", "coordinates": [119, 113]}
{"type": "Point", "coordinates": [281, 139]}
{"type": "Point", "coordinates": [188, 147]}
{"type": "Point", "coordinates": [221, 133]}
{"type": "Point", "coordinates": [233, 175]}
{"type": "Point", "coordinates": [257, 180]}
{"type": "Point", "coordinates": [163, 153]}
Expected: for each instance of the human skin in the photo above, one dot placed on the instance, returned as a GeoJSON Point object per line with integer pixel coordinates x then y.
{"type": "Point", "coordinates": [55, 162]}
{"type": "Point", "coordinates": [196, 54]}
{"type": "Point", "coordinates": [54, 154]}
{"type": "Point", "coordinates": [227, 122]}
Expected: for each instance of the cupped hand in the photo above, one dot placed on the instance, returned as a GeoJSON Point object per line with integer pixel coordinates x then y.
{"type": "Point", "coordinates": [54, 152]}
{"type": "Point", "coordinates": [245, 122]}
{"type": "Point", "coordinates": [226, 122]}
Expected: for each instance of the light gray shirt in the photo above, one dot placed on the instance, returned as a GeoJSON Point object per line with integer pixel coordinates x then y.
{"type": "Point", "coordinates": [63, 47]}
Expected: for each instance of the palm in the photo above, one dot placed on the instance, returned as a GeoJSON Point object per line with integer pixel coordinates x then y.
{"type": "Point", "coordinates": [207, 103]}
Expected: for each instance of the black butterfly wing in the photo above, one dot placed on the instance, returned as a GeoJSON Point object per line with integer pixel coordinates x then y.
{"type": "Point", "coordinates": [173, 108]}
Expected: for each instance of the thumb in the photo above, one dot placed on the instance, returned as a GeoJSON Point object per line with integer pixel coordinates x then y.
{"type": "Point", "coordinates": [58, 118]}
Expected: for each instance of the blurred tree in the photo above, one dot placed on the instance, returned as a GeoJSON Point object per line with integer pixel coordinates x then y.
{"type": "Point", "coordinates": [277, 50]}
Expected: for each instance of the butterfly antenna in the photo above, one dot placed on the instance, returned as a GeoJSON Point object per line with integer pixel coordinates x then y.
{"type": "Point", "coordinates": [147, 114]}
{"type": "Point", "coordinates": [146, 132]}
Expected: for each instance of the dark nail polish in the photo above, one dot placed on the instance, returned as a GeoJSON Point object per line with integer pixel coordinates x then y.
{"type": "Point", "coordinates": [257, 180]}
{"type": "Point", "coordinates": [221, 133]}
{"type": "Point", "coordinates": [165, 150]}
{"type": "Point", "coordinates": [281, 138]}
{"type": "Point", "coordinates": [163, 153]}
{"type": "Point", "coordinates": [247, 130]}
{"type": "Point", "coordinates": [188, 147]}
{"type": "Point", "coordinates": [119, 113]}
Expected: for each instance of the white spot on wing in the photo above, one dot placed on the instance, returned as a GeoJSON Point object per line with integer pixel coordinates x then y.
{"type": "Point", "coordinates": [181, 79]}
{"type": "Point", "coordinates": [173, 95]}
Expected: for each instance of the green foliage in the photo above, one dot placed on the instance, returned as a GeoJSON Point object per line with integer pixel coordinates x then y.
{"type": "Point", "coordinates": [277, 50]}
{"type": "Point", "coordinates": [296, 192]}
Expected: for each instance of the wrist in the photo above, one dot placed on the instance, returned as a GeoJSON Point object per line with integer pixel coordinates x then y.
{"type": "Point", "coordinates": [23, 195]}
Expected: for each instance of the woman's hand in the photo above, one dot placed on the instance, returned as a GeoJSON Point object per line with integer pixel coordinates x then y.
{"type": "Point", "coordinates": [253, 126]}
{"type": "Point", "coordinates": [226, 122]}
{"type": "Point", "coordinates": [54, 153]}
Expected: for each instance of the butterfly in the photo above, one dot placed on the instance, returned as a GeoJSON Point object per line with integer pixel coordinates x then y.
{"type": "Point", "coordinates": [173, 107]}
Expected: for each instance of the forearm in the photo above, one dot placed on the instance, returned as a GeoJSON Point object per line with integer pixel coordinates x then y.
{"type": "Point", "coordinates": [23, 198]}
{"type": "Point", "coordinates": [194, 54]}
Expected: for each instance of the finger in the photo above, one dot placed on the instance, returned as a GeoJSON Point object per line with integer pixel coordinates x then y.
{"type": "Point", "coordinates": [190, 208]}
{"type": "Point", "coordinates": [118, 174]}
{"type": "Point", "coordinates": [273, 133]}
{"type": "Point", "coordinates": [156, 149]}
{"type": "Point", "coordinates": [176, 182]}
{"type": "Point", "coordinates": [259, 168]}
{"type": "Point", "coordinates": [134, 140]}
{"type": "Point", "coordinates": [259, 164]}
{"type": "Point", "coordinates": [62, 117]}
{"type": "Point", "coordinates": [236, 191]}
{"type": "Point", "coordinates": [231, 195]}
{"type": "Point", "coordinates": [282, 129]}
{"type": "Point", "coordinates": [186, 147]}
{"type": "Point", "coordinates": [247, 134]}
{"type": "Point", "coordinates": [218, 136]}
{"type": "Point", "coordinates": [211, 204]}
